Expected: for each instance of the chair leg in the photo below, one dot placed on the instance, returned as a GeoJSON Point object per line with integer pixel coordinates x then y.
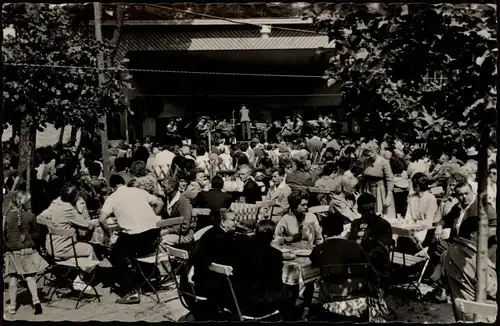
{"type": "Point", "coordinates": [149, 283]}
{"type": "Point", "coordinates": [87, 285]}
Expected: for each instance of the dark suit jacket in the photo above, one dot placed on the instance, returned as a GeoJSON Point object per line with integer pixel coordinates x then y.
{"type": "Point", "coordinates": [214, 199]}
{"type": "Point", "coordinates": [450, 220]}
{"type": "Point", "coordinates": [215, 246]}
{"type": "Point", "coordinates": [375, 243]}
{"type": "Point", "coordinates": [258, 278]}
{"type": "Point", "coordinates": [252, 192]}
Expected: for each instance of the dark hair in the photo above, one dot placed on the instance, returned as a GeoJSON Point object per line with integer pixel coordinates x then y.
{"type": "Point", "coordinates": [243, 147]}
{"type": "Point", "coordinates": [264, 232]}
{"type": "Point", "coordinates": [184, 176]}
{"type": "Point", "coordinates": [69, 193]}
{"type": "Point", "coordinates": [95, 169]}
{"type": "Point", "coordinates": [281, 171]}
{"type": "Point", "coordinates": [201, 150]}
{"type": "Point", "coordinates": [217, 182]}
{"type": "Point", "coordinates": [398, 165]}
{"type": "Point", "coordinates": [242, 159]}
{"type": "Point", "coordinates": [417, 154]}
{"type": "Point", "coordinates": [138, 169]}
{"type": "Point", "coordinates": [366, 199]}
{"type": "Point", "coordinates": [269, 147]}
{"type": "Point", "coordinates": [421, 181]}
{"type": "Point", "coordinates": [328, 169]}
{"type": "Point", "coordinates": [141, 154]}
{"type": "Point", "coordinates": [194, 172]}
{"type": "Point", "coordinates": [253, 144]}
{"type": "Point", "coordinates": [332, 225]}
{"type": "Point", "coordinates": [116, 180]}
{"type": "Point", "coordinates": [462, 184]}
{"type": "Point", "coordinates": [344, 163]}
{"type": "Point", "coordinates": [492, 166]}
{"type": "Point", "coordinates": [469, 226]}
{"type": "Point", "coordinates": [266, 162]}
{"type": "Point", "coordinates": [120, 164]}
{"type": "Point", "coordinates": [296, 198]}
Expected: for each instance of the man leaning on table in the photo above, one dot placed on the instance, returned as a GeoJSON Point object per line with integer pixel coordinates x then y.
{"type": "Point", "coordinates": [136, 212]}
{"type": "Point", "coordinates": [374, 234]}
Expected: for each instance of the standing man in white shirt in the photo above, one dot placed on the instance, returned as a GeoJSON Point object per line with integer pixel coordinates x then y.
{"type": "Point", "coordinates": [136, 212]}
{"type": "Point", "coordinates": [162, 163]}
{"type": "Point", "coordinates": [245, 123]}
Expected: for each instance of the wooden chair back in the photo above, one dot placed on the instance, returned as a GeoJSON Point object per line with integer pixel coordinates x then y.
{"type": "Point", "coordinates": [169, 222]}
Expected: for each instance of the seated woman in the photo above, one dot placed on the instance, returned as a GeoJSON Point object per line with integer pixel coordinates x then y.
{"type": "Point", "coordinates": [422, 205]}
{"type": "Point", "coordinates": [68, 212]}
{"type": "Point", "coordinates": [143, 179]}
{"type": "Point", "coordinates": [176, 205]}
{"type": "Point", "coordinates": [298, 222]}
{"type": "Point", "coordinates": [346, 293]}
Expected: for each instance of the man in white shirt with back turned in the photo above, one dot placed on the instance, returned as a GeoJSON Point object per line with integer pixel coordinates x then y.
{"type": "Point", "coordinates": [136, 212]}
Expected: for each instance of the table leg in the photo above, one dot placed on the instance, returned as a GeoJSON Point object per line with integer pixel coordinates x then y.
{"type": "Point", "coordinates": [289, 310]}
{"type": "Point", "coordinates": [308, 296]}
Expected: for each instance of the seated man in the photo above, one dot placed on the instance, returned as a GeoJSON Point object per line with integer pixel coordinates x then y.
{"type": "Point", "coordinates": [215, 199]}
{"type": "Point", "coordinates": [459, 267]}
{"type": "Point", "coordinates": [339, 289]}
{"type": "Point", "coordinates": [217, 245]}
{"type": "Point", "coordinates": [136, 213]}
{"type": "Point", "coordinates": [258, 275]}
{"type": "Point", "coordinates": [374, 234]}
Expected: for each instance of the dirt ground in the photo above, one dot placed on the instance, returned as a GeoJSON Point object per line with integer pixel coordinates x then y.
{"type": "Point", "coordinates": [170, 309]}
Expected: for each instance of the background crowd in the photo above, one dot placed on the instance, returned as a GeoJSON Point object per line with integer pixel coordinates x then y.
{"type": "Point", "coordinates": [367, 180]}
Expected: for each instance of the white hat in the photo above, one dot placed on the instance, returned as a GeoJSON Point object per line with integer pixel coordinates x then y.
{"type": "Point", "coordinates": [472, 151]}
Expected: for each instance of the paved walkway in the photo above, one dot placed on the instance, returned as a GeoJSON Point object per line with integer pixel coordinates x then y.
{"type": "Point", "coordinates": [170, 309]}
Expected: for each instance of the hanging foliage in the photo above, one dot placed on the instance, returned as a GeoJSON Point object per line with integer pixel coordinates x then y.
{"type": "Point", "coordinates": [417, 70]}
{"type": "Point", "coordinates": [54, 35]}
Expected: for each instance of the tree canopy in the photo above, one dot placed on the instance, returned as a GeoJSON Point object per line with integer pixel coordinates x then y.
{"type": "Point", "coordinates": [413, 69]}
{"type": "Point", "coordinates": [55, 35]}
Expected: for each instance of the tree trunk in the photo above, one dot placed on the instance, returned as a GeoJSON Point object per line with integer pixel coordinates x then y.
{"type": "Point", "coordinates": [483, 234]}
{"type": "Point", "coordinates": [74, 132]}
{"type": "Point", "coordinates": [27, 143]}
{"type": "Point", "coordinates": [61, 135]}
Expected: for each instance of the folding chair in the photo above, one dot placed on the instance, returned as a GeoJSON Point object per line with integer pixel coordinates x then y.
{"type": "Point", "coordinates": [320, 211]}
{"type": "Point", "coordinates": [227, 271]}
{"type": "Point", "coordinates": [158, 257]}
{"type": "Point", "coordinates": [246, 214]}
{"type": "Point", "coordinates": [406, 260]}
{"type": "Point", "coordinates": [354, 279]}
{"type": "Point", "coordinates": [182, 256]}
{"type": "Point", "coordinates": [265, 208]}
{"type": "Point", "coordinates": [63, 268]}
{"type": "Point", "coordinates": [199, 212]}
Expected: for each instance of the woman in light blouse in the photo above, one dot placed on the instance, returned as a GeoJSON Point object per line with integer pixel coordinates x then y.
{"type": "Point", "coordinates": [378, 180]}
{"type": "Point", "coordinates": [422, 205]}
{"type": "Point", "coordinates": [298, 224]}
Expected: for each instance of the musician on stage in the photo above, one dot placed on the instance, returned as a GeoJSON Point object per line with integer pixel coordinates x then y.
{"type": "Point", "coordinates": [245, 123]}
